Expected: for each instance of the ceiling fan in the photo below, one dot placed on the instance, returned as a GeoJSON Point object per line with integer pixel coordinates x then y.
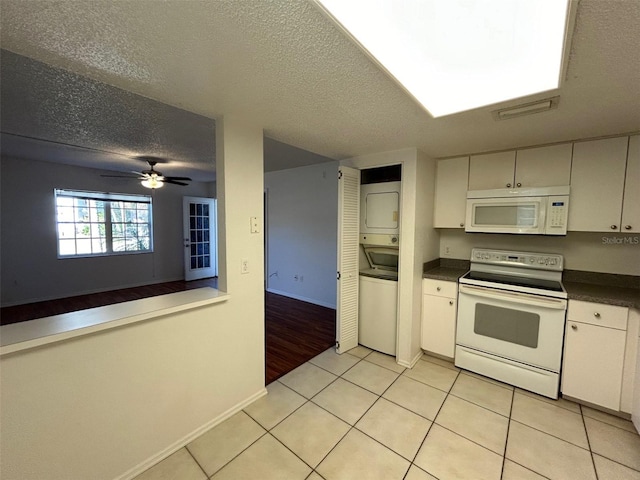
{"type": "Point", "coordinates": [153, 178]}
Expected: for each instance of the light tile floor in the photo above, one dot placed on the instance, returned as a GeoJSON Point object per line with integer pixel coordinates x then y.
{"type": "Point", "coordinates": [361, 416]}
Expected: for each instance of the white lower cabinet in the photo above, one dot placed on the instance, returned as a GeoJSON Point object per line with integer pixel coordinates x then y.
{"type": "Point", "coordinates": [439, 308]}
{"type": "Point", "coordinates": [594, 353]}
{"type": "Point", "coordinates": [635, 412]}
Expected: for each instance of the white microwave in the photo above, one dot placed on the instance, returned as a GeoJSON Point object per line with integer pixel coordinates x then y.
{"type": "Point", "coordinates": [533, 211]}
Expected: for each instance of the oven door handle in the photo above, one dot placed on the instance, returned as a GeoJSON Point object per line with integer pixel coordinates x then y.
{"type": "Point", "coordinates": [514, 297]}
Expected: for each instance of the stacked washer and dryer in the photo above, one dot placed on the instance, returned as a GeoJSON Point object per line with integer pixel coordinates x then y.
{"type": "Point", "coordinates": [379, 240]}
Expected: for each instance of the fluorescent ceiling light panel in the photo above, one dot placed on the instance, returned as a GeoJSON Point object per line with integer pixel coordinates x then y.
{"type": "Point", "coordinates": [456, 55]}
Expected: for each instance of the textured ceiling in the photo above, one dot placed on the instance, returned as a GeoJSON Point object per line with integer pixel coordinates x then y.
{"type": "Point", "coordinates": [286, 65]}
{"type": "Point", "coordinates": [48, 112]}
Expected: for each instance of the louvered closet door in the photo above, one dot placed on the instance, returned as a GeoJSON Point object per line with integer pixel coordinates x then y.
{"type": "Point", "coordinates": [348, 231]}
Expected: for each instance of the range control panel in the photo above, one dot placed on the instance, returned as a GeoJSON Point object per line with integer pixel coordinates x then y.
{"type": "Point", "coordinates": [540, 261]}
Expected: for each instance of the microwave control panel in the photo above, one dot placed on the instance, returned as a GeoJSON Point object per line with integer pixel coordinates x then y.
{"type": "Point", "coordinates": [557, 214]}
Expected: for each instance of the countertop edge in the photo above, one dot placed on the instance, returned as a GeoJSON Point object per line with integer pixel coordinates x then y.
{"type": "Point", "coordinates": [34, 333]}
{"type": "Point", "coordinates": [604, 294]}
{"type": "Point", "coordinates": [444, 273]}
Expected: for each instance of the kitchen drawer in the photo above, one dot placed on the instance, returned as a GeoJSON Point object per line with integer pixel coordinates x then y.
{"type": "Point", "coordinates": [598, 314]}
{"type": "Point", "coordinates": [439, 288]}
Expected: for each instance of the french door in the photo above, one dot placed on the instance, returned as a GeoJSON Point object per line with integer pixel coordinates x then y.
{"type": "Point", "coordinates": [200, 237]}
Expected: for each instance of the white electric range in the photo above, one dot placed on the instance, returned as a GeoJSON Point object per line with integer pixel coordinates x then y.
{"type": "Point", "coordinates": [511, 318]}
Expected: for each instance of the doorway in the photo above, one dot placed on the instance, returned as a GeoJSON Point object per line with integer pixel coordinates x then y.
{"type": "Point", "coordinates": [200, 237]}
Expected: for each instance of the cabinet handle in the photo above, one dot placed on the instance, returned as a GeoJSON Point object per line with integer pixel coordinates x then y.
{"type": "Point", "coordinates": [614, 227]}
{"type": "Point", "coordinates": [597, 315]}
{"type": "Point", "coordinates": [626, 227]}
{"type": "Point", "coordinates": [519, 185]}
{"type": "Point", "coordinates": [574, 327]}
{"type": "Point", "coordinates": [508, 185]}
{"type": "Point", "coordinates": [450, 302]}
{"type": "Point", "coordinates": [438, 288]}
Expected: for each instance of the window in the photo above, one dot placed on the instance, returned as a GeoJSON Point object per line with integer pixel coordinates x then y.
{"type": "Point", "coordinates": [96, 224]}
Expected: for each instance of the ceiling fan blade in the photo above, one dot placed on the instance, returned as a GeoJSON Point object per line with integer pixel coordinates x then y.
{"type": "Point", "coordinates": [119, 176]}
{"type": "Point", "coordinates": [174, 182]}
{"type": "Point", "coordinates": [186, 179]}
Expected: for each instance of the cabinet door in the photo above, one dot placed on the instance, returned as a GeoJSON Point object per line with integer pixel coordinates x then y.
{"type": "Point", "coordinates": [492, 170]}
{"type": "Point", "coordinates": [544, 166]}
{"type": "Point", "coordinates": [631, 203]}
{"type": "Point", "coordinates": [597, 183]}
{"type": "Point", "coordinates": [452, 178]}
{"type": "Point", "coordinates": [593, 362]}
{"type": "Point", "coordinates": [439, 325]}
{"type": "Point", "coordinates": [635, 412]}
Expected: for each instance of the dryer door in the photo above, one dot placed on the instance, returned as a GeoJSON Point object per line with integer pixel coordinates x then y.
{"type": "Point", "coordinates": [380, 208]}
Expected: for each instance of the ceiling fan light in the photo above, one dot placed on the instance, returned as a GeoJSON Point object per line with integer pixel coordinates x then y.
{"type": "Point", "coordinates": [152, 182]}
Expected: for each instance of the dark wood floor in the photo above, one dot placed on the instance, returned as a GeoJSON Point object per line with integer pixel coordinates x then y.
{"type": "Point", "coordinates": [295, 331]}
{"type": "Point", "coordinates": [20, 313]}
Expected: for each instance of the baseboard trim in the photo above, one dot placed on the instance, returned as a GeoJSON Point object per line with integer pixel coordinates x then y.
{"type": "Point", "coordinates": [151, 461]}
{"type": "Point", "coordinates": [413, 361]}
{"type": "Point", "coordinates": [301, 298]}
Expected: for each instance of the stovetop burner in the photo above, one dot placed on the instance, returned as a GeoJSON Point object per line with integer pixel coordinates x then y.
{"type": "Point", "coordinates": [525, 272]}
{"type": "Point", "coordinates": [550, 285]}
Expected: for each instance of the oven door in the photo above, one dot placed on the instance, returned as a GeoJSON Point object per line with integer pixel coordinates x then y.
{"type": "Point", "coordinates": [518, 326]}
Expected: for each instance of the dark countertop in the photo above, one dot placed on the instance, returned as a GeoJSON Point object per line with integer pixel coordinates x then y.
{"type": "Point", "coordinates": [609, 291]}
{"type": "Point", "coordinates": [587, 292]}
{"type": "Point", "coordinates": [445, 273]}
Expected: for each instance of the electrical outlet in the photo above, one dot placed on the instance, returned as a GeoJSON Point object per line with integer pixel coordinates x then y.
{"type": "Point", "coordinates": [447, 250]}
{"type": "Point", "coordinates": [244, 265]}
{"type": "Point", "coordinates": [255, 225]}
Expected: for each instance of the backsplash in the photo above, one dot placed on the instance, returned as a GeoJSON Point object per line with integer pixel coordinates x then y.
{"type": "Point", "coordinates": [585, 251]}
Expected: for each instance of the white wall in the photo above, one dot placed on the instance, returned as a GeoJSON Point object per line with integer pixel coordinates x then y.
{"type": "Point", "coordinates": [417, 239]}
{"type": "Point", "coordinates": [595, 252]}
{"type": "Point", "coordinates": [427, 238]}
{"type": "Point", "coordinates": [31, 270]}
{"type": "Point", "coordinates": [302, 232]}
{"type": "Point", "coordinates": [111, 404]}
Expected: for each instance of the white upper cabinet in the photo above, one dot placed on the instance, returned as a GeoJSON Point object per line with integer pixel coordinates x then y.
{"type": "Point", "coordinates": [597, 186]}
{"type": "Point", "coordinates": [492, 170]}
{"type": "Point", "coordinates": [544, 166]}
{"type": "Point", "coordinates": [452, 176]}
{"type": "Point", "coordinates": [532, 167]}
{"type": "Point", "coordinates": [631, 203]}
{"type": "Point", "coordinates": [604, 176]}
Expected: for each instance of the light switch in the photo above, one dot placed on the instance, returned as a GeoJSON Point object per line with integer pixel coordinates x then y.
{"type": "Point", "coordinates": [255, 226]}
